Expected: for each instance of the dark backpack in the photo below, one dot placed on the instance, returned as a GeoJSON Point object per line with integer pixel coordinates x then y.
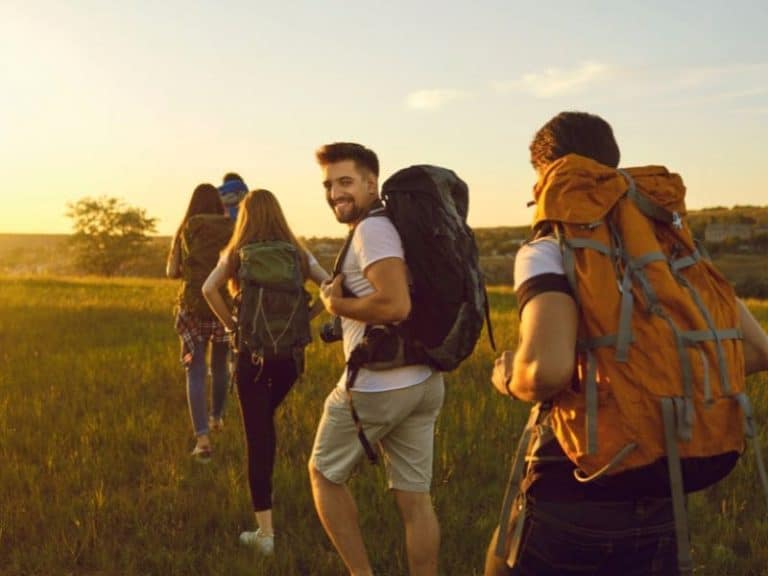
{"type": "Point", "coordinates": [428, 207]}
{"type": "Point", "coordinates": [273, 307]}
{"type": "Point", "coordinates": [203, 237]}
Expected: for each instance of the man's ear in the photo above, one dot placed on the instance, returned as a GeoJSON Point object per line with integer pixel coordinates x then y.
{"type": "Point", "coordinates": [373, 184]}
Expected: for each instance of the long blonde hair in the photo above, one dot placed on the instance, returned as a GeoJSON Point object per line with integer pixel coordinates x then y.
{"type": "Point", "coordinates": [259, 219]}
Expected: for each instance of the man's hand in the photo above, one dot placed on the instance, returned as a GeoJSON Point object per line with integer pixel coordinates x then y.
{"type": "Point", "coordinates": [502, 372]}
{"type": "Point", "coordinates": [329, 291]}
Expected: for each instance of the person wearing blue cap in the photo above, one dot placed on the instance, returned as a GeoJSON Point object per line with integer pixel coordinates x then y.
{"type": "Point", "coordinates": [232, 190]}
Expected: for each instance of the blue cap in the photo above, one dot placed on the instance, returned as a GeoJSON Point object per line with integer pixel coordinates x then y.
{"type": "Point", "coordinates": [231, 193]}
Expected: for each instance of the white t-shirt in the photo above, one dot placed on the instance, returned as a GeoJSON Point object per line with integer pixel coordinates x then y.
{"type": "Point", "coordinates": [538, 269]}
{"type": "Point", "coordinates": [374, 239]}
{"type": "Point", "coordinates": [539, 257]}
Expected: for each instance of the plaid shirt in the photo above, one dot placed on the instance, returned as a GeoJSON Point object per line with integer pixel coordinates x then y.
{"type": "Point", "coordinates": [193, 331]}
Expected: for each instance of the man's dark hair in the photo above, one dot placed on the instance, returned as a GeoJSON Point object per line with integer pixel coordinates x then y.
{"type": "Point", "coordinates": [574, 133]}
{"type": "Point", "coordinates": [230, 176]}
{"type": "Point", "coordinates": [340, 151]}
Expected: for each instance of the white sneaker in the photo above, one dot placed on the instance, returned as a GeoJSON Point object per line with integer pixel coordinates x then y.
{"type": "Point", "coordinates": [202, 454]}
{"type": "Point", "coordinates": [265, 544]}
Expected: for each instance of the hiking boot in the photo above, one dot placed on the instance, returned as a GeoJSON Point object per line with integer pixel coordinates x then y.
{"type": "Point", "coordinates": [263, 543]}
{"type": "Point", "coordinates": [202, 454]}
{"type": "Point", "coordinates": [215, 424]}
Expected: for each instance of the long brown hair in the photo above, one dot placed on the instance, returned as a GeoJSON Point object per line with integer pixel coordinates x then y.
{"type": "Point", "coordinates": [205, 200]}
{"type": "Point", "coordinates": [260, 219]}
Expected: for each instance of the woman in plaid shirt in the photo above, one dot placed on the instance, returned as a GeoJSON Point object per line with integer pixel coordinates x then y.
{"type": "Point", "coordinates": [203, 232]}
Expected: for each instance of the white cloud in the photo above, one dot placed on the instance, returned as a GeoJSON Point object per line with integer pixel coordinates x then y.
{"type": "Point", "coordinates": [739, 87]}
{"type": "Point", "coordinates": [557, 81]}
{"type": "Point", "coordinates": [433, 99]}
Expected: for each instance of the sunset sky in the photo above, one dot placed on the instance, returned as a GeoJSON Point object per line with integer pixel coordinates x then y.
{"type": "Point", "coordinates": [144, 100]}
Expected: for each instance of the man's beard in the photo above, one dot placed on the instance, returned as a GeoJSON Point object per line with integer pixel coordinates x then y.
{"type": "Point", "coordinates": [350, 213]}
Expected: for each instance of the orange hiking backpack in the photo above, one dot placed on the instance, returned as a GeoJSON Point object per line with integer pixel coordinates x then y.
{"type": "Point", "coordinates": [658, 324]}
{"type": "Point", "coordinates": [660, 365]}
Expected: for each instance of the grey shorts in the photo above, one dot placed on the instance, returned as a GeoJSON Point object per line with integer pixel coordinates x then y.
{"type": "Point", "coordinates": [401, 421]}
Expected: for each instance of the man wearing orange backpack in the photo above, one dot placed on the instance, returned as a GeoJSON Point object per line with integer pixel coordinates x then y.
{"type": "Point", "coordinates": [635, 350]}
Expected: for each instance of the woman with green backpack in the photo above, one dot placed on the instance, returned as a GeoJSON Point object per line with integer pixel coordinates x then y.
{"type": "Point", "coordinates": [203, 232]}
{"type": "Point", "coordinates": [265, 267]}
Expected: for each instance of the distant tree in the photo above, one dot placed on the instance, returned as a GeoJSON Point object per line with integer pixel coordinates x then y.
{"type": "Point", "coordinates": [108, 234]}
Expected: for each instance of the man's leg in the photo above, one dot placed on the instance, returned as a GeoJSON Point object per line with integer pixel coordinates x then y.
{"type": "Point", "coordinates": [422, 531]}
{"type": "Point", "coordinates": [408, 454]}
{"type": "Point", "coordinates": [338, 514]}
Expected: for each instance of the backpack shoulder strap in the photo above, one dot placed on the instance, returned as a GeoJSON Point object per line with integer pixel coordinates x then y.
{"type": "Point", "coordinates": [377, 209]}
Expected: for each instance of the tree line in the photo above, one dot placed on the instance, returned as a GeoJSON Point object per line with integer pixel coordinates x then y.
{"type": "Point", "coordinates": [112, 238]}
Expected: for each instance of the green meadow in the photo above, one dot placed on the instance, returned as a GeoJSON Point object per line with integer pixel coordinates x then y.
{"type": "Point", "coordinates": [97, 479]}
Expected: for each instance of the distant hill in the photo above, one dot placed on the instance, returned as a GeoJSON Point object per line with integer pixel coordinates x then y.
{"type": "Point", "coordinates": [500, 240]}
{"type": "Point", "coordinates": [23, 254]}
{"type": "Point", "coordinates": [698, 220]}
{"type": "Point", "coordinates": [745, 264]}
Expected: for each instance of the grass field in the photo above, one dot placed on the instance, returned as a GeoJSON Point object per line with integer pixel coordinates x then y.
{"type": "Point", "coordinates": [97, 479]}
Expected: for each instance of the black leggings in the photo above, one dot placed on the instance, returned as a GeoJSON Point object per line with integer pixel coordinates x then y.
{"type": "Point", "coordinates": [260, 395]}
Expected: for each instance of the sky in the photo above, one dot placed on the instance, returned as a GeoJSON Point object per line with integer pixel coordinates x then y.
{"type": "Point", "coordinates": [144, 100]}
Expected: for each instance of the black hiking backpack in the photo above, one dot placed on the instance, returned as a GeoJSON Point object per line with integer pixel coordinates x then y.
{"type": "Point", "coordinates": [428, 205]}
{"type": "Point", "coordinates": [273, 306]}
{"type": "Point", "coordinates": [202, 239]}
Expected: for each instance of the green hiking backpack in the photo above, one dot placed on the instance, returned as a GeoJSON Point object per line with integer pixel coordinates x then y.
{"type": "Point", "coordinates": [273, 307]}
{"type": "Point", "coordinates": [203, 237]}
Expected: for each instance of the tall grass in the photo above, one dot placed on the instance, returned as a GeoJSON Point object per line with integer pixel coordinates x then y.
{"type": "Point", "coordinates": [97, 479]}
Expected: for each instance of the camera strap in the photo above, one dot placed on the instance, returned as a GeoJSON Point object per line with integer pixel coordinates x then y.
{"type": "Point", "coordinates": [352, 371]}
{"type": "Point", "coordinates": [377, 209]}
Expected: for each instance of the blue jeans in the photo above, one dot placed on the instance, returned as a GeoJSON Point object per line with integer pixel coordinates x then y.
{"type": "Point", "coordinates": [196, 389]}
{"type": "Point", "coordinates": [631, 538]}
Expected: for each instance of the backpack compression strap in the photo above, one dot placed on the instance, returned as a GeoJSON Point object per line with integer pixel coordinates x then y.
{"type": "Point", "coordinates": [684, 562]}
{"type": "Point", "coordinates": [513, 491]}
{"type": "Point", "coordinates": [648, 207]}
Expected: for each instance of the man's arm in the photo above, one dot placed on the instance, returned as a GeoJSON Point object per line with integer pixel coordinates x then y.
{"type": "Point", "coordinates": [755, 341]}
{"type": "Point", "coordinates": [544, 361]}
{"type": "Point", "coordinates": [389, 302]}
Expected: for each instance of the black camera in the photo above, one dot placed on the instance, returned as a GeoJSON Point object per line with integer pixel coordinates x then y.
{"type": "Point", "coordinates": [331, 331]}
